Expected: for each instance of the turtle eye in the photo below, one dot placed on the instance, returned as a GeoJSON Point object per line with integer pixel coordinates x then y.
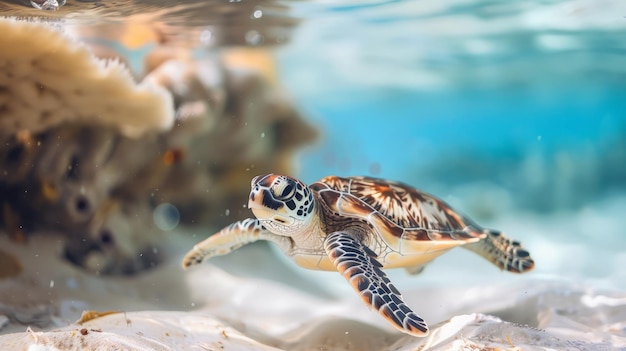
{"type": "Point", "coordinates": [286, 193]}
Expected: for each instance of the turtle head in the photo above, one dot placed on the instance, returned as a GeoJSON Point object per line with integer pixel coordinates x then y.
{"type": "Point", "coordinates": [282, 203]}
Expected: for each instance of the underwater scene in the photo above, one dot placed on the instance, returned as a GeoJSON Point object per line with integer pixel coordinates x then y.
{"type": "Point", "coordinates": [312, 175]}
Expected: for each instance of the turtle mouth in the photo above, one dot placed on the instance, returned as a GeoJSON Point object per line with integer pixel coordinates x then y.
{"type": "Point", "coordinates": [265, 214]}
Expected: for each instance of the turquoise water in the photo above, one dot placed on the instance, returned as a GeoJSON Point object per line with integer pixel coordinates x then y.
{"type": "Point", "coordinates": [513, 112]}
{"type": "Point", "coordinates": [522, 94]}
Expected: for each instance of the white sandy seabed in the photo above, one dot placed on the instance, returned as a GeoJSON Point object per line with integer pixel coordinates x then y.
{"type": "Point", "coordinates": [253, 300]}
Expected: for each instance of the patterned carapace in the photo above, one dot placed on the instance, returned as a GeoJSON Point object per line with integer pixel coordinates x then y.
{"type": "Point", "coordinates": [403, 205]}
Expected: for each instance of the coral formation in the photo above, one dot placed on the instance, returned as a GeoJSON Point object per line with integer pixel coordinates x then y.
{"type": "Point", "coordinates": [53, 80]}
{"type": "Point", "coordinates": [89, 153]}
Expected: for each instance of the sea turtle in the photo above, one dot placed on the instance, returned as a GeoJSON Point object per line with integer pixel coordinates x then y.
{"type": "Point", "coordinates": [358, 226]}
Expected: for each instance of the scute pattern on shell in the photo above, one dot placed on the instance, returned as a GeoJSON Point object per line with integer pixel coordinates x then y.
{"type": "Point", "coordinates": [401, 204]}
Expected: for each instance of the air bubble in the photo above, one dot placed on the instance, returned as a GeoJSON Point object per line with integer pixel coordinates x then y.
{"type": "Point", "coordinates": [206, 36]}
{"type": "Point", "coordinates": [166, 216]}
{"type": "Point", "coordinates": [254, 38]}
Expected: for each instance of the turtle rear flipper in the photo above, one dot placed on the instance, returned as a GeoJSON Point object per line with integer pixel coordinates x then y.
{"type": "Point", "coordinates": [505, 253]}
{"type": "Point", "coordinates": [358, 264]}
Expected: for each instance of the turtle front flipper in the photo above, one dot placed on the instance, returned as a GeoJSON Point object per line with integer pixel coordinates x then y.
{"type": "Point", "coordinates": [505, 253]}
{"type": "Point", "coordinates": [231, 238]}
{"type": "Point", "coordinates": [358, 264]}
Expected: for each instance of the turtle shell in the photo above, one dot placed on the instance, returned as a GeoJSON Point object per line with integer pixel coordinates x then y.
{"type": "Point", "coordinates": [401, 210]}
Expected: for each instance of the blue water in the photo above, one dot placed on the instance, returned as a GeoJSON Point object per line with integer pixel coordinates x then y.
{"type": "Point", "coordinates": [514, 112]}
{"type": "Point", "coordinates": [413, 128]}
{"type": "Point", "coordinates": [529, 96]}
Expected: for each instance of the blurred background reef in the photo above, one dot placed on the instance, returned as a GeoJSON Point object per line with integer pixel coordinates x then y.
{"type": "Point", "coordinates": [108, 153]}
